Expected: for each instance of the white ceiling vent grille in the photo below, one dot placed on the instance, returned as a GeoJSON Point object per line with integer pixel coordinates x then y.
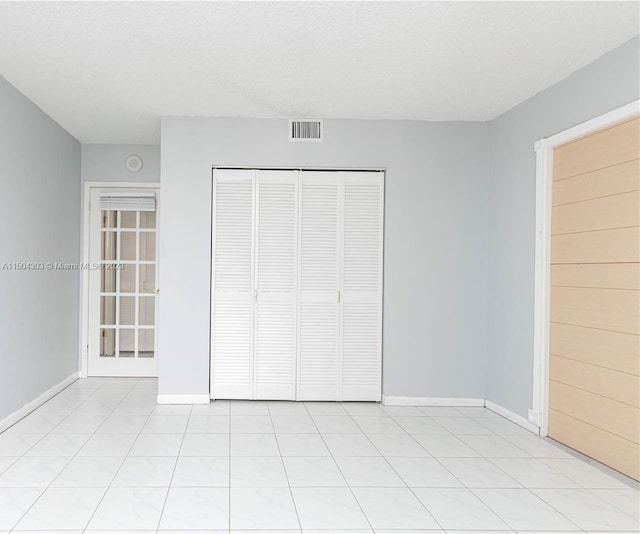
{"type": "Point", "coordinates": [305, 130]}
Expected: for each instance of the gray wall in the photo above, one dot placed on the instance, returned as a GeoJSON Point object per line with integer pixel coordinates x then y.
{"type": "Point", "coordinates": [40, 222]}
{"type": "Point", "coordinates": [435, 241]}
{"type": "Point", "coordinates": [106, 163]}
{"type": "Point", "coordinates": [608, 83]}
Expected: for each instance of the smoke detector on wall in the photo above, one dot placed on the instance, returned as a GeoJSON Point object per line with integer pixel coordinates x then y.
{"type": "Point", "coordinates": [306, 130]}
{"type": "Point", "coordinates": [134, 163]}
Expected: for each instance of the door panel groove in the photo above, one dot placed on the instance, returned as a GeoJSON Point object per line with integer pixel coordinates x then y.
{"type": "Point", "coordinates": [594, 337]}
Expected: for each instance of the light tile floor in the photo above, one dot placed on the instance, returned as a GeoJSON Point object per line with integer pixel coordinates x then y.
{"type": "Point", "coordinates": [102, 457]}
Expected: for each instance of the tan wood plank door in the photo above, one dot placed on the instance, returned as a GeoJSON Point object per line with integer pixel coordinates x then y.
{"type": "Point", "coordinates": [594, 344]}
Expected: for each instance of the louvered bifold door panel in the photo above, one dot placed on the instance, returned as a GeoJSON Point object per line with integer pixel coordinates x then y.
{"type": "Point", "coordinates": [232, 271]}
{"type": "Point", "coordinates": [361, 313]}
{"type": "Point", "coordinates": [275, 283]}
{"type": "Point", "coordinates": [318, 322]}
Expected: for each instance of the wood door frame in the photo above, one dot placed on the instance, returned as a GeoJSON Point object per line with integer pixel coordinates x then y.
{"type": "Point", "coordinates": [83, 349]}
{"type": "Point", "coordinates": [539, 414]}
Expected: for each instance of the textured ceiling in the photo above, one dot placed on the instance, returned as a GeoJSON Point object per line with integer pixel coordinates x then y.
{"type": "Point", "coordinates": [107, 72]}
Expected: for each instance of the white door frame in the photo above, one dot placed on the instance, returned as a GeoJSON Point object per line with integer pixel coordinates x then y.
{"type": "Point", "coordinates": [544, 176]}
{"type": "Point", "coordinates": [83, 349]}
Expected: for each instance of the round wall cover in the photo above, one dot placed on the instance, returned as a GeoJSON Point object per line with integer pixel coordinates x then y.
{"type": "Point", "coordinates": [134, 163]}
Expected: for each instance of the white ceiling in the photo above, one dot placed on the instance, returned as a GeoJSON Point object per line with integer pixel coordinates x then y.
{"type": "Point", "coordinates": [108, 71]}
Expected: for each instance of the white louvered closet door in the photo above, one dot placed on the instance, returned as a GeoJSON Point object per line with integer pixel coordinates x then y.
{"type": "Point", "coordinates": [232, 308]}
{"type": "Point", "coordinates": [361, 302]}
{"type": "Point", "coordinates": [318, 318]}
{"type": "Point", "coordinates": [275, 285]}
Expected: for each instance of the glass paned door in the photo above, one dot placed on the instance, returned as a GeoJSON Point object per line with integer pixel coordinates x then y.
{"type": "Point", "coordinates": [123, 297]}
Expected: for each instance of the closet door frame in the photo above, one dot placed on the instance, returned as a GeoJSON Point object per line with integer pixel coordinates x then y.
{"type": "Point", "coordinates": [297, 285]}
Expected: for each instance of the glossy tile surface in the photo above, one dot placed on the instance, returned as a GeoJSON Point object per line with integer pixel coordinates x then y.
{"type": "Point", "coordinates": [102, 457]}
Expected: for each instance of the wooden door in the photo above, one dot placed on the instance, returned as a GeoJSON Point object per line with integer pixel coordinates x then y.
{"type": "Point", "coordinates": [594, 345]}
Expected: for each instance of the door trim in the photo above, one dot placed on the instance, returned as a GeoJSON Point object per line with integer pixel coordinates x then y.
{"type": "Point", "coordinates": [539, 414]}
{"type": "Point", "coordinates": [83, 348]}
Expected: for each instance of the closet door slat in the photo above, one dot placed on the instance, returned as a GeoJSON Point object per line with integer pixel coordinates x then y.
{"type": "Point", "coordinates": [318, 320]}
{"type": "Point", "coordinates": [232, 329]}
{"type": "Point", "coordinates": [361, 314]}
{"type": "Point", "coordinates": [275, 298]}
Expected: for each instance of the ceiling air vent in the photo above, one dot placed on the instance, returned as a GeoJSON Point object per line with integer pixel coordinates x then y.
{"type": "Point", "coordinates": [305, 130]}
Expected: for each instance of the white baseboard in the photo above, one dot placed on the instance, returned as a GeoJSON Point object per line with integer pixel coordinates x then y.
{"type": "Point", "coordinates": [14, 417]}
{"type": "Point", "coordinates": [184, 399]}
{"type": "Point", "coordinates": [430, 401]}
{"type": "Point", "coordinates": [513, 417]}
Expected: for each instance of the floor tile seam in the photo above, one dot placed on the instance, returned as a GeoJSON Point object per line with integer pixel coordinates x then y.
{"type": "Point", "coordinates": [475, 490]}
{"type": "Point", "coordinates": [501, 437]}
{"type": "Point", "coordinates": [397, 474]}
{"type": "Point", "coordinates": [619, 508]}
{"type": "Point", "coordinates": [578, 485]}
{"type": "Point", "coordinates": [44, 490]}
{"type": "Point", "coordinates": [339, 469]}
{"type": "Point", "coordinates": [133, 442]}
{"type": "Point", "coordinates": [582, 489]}
{"type": "Point", "coordinates": [175, 465]}
{"type": "Point", "coordinates": [64, 418]}
{"type": "Point", "coordinates": [284, 468]}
